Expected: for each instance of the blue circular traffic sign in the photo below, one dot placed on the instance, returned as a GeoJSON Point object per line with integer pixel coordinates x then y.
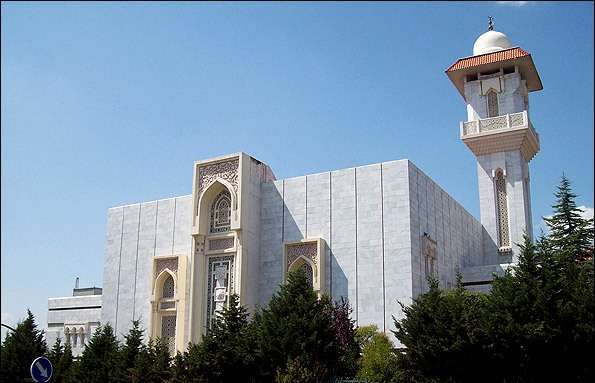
{"type": "Point", "coordinates": [41, 369]}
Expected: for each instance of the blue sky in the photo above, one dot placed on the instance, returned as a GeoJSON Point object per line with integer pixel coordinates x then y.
{"type": "Point", "coordinates": [105, 104]}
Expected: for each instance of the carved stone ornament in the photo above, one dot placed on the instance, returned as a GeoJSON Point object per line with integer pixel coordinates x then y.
{"type": "Point", "coordinates": [221, 243]}
{"type": "Point", "coordinates": [429, 246]}
{"type": "Point", "coordinates": [169, 263]}
{"type": "Point", "coordinates": [227, 170]}
{"type": "Point", "coordinates": [307, 250]}
{"type": "Point", "coordinates": [200, 246]}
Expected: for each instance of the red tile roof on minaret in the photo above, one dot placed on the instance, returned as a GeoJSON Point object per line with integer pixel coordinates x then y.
{"type": "Point", "coordinates": [487, 58]}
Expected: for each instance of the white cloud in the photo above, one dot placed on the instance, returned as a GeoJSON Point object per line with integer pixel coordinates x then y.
{"type": "Point", "coordinates": [515, 3]}
{"type": "Point", "coordinates": [587, 212]}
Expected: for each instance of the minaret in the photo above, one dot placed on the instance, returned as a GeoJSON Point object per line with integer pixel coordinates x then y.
{"type": "Point", "coordinates": [495, 83]}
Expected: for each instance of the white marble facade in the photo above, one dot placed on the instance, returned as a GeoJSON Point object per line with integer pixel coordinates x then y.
{"type": "Point", "coordinates": [372, 219]}
{"type": "Point", "coordinates": [378, 230]}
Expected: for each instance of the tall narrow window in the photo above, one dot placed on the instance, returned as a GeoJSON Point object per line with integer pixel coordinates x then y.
{"type": "Point", "coordinates": [219, 285]}
{"type": "Point", "coordinates": [82, 334]}
{"type": "Point", "coordinates": [74, 338]}
{"type": "Point", "coordinates": [502, 210]}
{"type": "Point", "coordinates": [492, 103]}
{"type": "Point", "coordinates": [221, 213]}
{"type": "Point", "coordinates": [168, 288]}
{"type": "Point", "coordinates": [67, 335]}
{"type": "Point", "coordinates": [168, 332]}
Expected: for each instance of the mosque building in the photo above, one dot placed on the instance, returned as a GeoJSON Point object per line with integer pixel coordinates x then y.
{"type": "Point", "coordinates": [369, 234]}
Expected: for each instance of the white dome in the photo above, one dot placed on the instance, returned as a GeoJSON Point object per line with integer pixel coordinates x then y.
{"type": "Point", "coordinates": [491, 41]}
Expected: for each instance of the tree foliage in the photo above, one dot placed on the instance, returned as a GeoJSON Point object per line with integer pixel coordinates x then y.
{"type": "Point", "coordinates": [226, 352]}
{"type": "Point", "coordinates": [20, 348]}
{"type": "Point", "coordinates": [63, 362]}
{"type": "Point", "coordinates": [443, 336]}
{"type": "Point", "coordinates": [536, 324]}
{"type": "Point", "coordinates": [100, 361]}
{"type": "Point", "coordinates": [378, 362]}
{"type": "Point", "coordinates": [296, 331]}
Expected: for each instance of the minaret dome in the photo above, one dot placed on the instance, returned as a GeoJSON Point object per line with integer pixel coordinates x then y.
{"type": "Point", "coordinates": [491, 41]}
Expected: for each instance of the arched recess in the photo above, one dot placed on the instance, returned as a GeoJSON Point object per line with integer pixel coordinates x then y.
{"type": "Point", "coordinates": [165, 308]}
{"type": "Point", "coordinates": [492, 103]}
{"type": "Point", "coordinates": [309, 268]}
{"type": "Point", "coordinates": [67, 335]}
{"type": "Point", "coordinates": [82, 334]}
{"type": "Point", "coordinates": [74, 337]}
{"type": "Point", "coordinates": [206, 200]}
{"type": "Point", "coordinates": [160, 282]}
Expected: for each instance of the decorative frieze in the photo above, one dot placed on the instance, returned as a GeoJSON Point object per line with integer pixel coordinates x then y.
{"type": "Point", "coordinates": [308, 250]}
{"type": "Point", "coordinates": [168, 263]}
{"type": "Point", "coordinates": [166, 305]}
{"type": "Point", "coordinates": [517, 119]}
{"type": "Point", "coordinates": [227, 170]}
{"type": "Point", "coordinates": [221, 243]}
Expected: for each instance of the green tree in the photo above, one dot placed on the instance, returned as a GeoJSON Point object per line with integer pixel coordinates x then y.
{"type": "Point", "coordinates": [152, 363]}
{"type": "Point", "coordinates": [100, 361]}
{"type": "Point", "coordinates": [570, 234]}
{"type": "Point", "coordinates": [296, 332]}
{"type": "Point", "coordinates": [180, 368]}
{"type": "Point", "coordinates": [542, 312]}
{"type": "Point", "coordinates": [518, 306]}
{"type": "Point", "coordinates": [130, 351]}
{"type": "Point", "coordinates": [63, 362]}
{"type": "Point", "coordinates": [443, 335]}
{"type": "Point", "coordinates": [226, 352]}
{"type": "Point", "coordinates": [20, 348]}
{"type": "Point", "coordinates": [345, 334]}
{"type": "Point", "coordinates": [378, 363]}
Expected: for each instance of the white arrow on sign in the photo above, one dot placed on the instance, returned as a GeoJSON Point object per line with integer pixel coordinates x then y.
{"type": "Point", "coordinates": [42, 370]}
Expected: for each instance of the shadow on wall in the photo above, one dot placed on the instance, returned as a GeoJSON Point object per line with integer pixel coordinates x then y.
{"type": "Point", "coordinates": [291, 209]}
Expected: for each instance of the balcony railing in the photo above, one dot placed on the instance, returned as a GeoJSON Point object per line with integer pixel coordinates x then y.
{"type": "Point", "coordinates": [507, 121]}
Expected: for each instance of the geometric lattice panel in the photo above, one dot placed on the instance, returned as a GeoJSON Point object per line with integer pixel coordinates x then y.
{"type": "Point", "coordinates": [168, 332]}
{"type": "Point", "coordinates": [502, 208]}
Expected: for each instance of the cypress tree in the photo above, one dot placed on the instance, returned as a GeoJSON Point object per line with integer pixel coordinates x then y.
{"type": "Point", "coordinates": [63, 362]}
{"type": "Point", "coordinates": [570, 234]}
{"type": "Point", "coordinates": [296, 333]}
{"type": "Point", "coordinates": [133, 346]}
{"type": "Point", "coordinates": [443, 335]}
{"type": "Point", "coordinates": [225, 353]}
{"type": "Point", "coordinates": [100, 361]}
{"type": "Point", "coordinates": [20, 348]}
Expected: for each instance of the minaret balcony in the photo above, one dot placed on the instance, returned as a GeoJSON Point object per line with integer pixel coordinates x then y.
{"type": "Point", "coordinates": [500, 134]}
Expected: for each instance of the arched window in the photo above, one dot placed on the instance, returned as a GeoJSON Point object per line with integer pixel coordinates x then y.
{"type": "Point", "coordinates": [168, 288]}
{"type": "Point", "coordinates": [74, 338]}
{"type": "Point", "coordinates": [221, 213]}
{"type": "Point", "coordinates": [502, 209]}
{"type": "Point", "coordinates": [67, 335]}
{"type": "Point", "coordinates": [492, 103]}
{"type": "Point", "coordinates": [82, 334]}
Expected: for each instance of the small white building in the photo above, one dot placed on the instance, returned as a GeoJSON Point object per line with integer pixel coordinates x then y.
{"type": "Point", "coordinates": [75, 318]}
